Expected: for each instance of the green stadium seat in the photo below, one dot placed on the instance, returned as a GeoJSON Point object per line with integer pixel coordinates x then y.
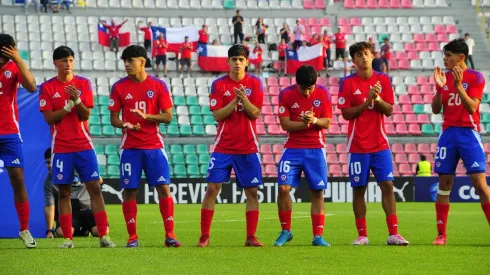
{"type": "Point", "coordinates": [193, 170]}
{"type": "Point", "coordinates": [95, 111]}
{"type": "Point", "coordinates": [102, 171]}
{"type": "Point", "coordinates": [185, 130]}
{"type": "Point", "coordinates": [485, 118]}
{"type": "Point", "coordinates": [113, 160]}
{"type": "Point", "coordinates": [209, 120]}
{"type": "Point", "coordinates": [179, 171]}
{"type": "Point", "coordinates": [427, 129]}
{"type": "Point", "coordinates": [418, 109]}
{"type": "Point", "coordinates": [229, 4]}
{"type": "Point", "coordinates": [113, 171]}
{"type": "Point", "coordinates": [191, 159]}
{"type": "Point", "coordinates": [110, 149]}
{"type": "Point", "coordinates": [194, 111]}
{"type": "Point", "coordinates": [487, 127]}
{"type": "Point", "coordinates": [196, 120]}
{"type": "Point", "coordinates": [106, 120]}
{"type": "Point", "coordinates": [202, 148]}
{"type": "Point", "coordinates": [189, 149]}
{"type": "Point", "coordinates": [94, 120]}
{"type": "Point", "coordinates": [437, 128]}
{"type": "Point", "coordinates": [485, 98]}
{"type": "Point", "coordinates": [104, 111]}
{"type": "Point", "coordinates": [203, 169]}
{"type": "Point", "coordinates": [205, 110]}
{"type": "Point", "coordinates": [179, 101]}
{"type": "Point", "coordinates": [108, 130]}
{"type": "Point", "coordinates": [99, 149]}
{"type": "Point", "coordinates": [118, 132]}
{"type": "Point", "coordinates": [163, 129]}
{"type": "Point", "coordinates": [95, 131]}
{"type": "Point", "coordinates": [103, 101]}
{"type": "Point", "coordinates": [178, 159]}
{"type": "Point", "coordinates": [204, 158]}
{"type": "Point", "coordinates": [176, 149]}
{"type": "Point", "coordinates": [191, 101]}
{"type": "Point", "coordinates": [172, 130]}
{"type": "Point", "coordinates": [198, 130]}
{"type": "Point", "coordinates": [174, 120]}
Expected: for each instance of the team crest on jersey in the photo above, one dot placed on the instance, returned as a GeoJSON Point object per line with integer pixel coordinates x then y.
{"type": "Point", "coordinates": [341, 100]}
{"type": "Point", "coordinates": [59, 176]}
{"type": "Point", "coordinates": [438, 164]}
{"type": "Point", "coordinates": [248, 91]}
{"type": "Point", "coordinates": [111, 102]}
{"type": "Point", "coordinates": [150, 94]}
{"type": "Point", "coordinates": [284, 177]}
{"type": "Point", "coordinates": [282, 110]}
{"type": "Point", "coordinates": [42, 103]}
{"type": "Point", "coordinates": [126, 181]}
{"type": "Point", "coordinates": [465, 86]}
{"type": "Point", "coordinates": [317, 103]}
{"type": "Point", "coordinates": [213, 102]}
{"type": "Point", "coordinates": [79, 92]}
{"type": "Point", "coordinates": [7, 74]}
{"type": "Point", "coordinates": [356, 179]}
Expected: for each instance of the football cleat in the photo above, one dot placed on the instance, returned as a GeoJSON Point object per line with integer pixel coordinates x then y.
{"type": "Point", "coordinates": [284, 237]}
{"type": "Point", "coordinates": [397, 239]}
{"type": "Point", "coordinates": [171, 241]}
{"type": "Point", "coordinates": [361, 240]}
{"type": "Point", "coordinates": [203, 241]}
{"type": "Point", "coordinates": [440, 240]}
{"type": "Point", "coordinates": [67, 244]}
{"type": "Point", "coordinates": [319, 241]}
{"type": "Point", "coordinates": [132, 241]}
{"type": "Point", "coordinates": [105, 241]}
{"type": "Point", "coordinates": [27, 238]}
{"type": "Point", "coordinates": [253, 241]}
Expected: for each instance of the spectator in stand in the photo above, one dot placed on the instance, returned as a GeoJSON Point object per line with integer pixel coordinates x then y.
{"type": "Point", "coordinates": [147, 31]}
{"type": "Point", "coordinates": [27, 3]}
{"type": "Point", "coordinates": [56, 5]}
{"type": "Point", "coordinates": [281, 48]}
{"type": "Point", "coordinates": [285, 32]}
{"type": "Point", "coordinates": [244, 43]}
{"type": "Point", "coordinates": [45, 4]}
{"type": "Point", "coordinates": [303, 46]}
{"type": "Point", "coordinates": [260, 29]}
{"type": "Point", "coordinates": [315, 39]}
{"type": "Point", "coordinates": [373, 44]}
{"type": "Point", "coordinates": [340, 43]}
{"type": "Point", "coordinates": [237, 22]}
{"type": "Point", "coordinates": [423, 168]}
{"type": "Point", "coordinates": [258, 64]}
{"type": "Point", "coordinates": [325, 40]}
{"type": "Point", "coordinates": [378, 63]}
{"type": "Point", "coordinates": [185, 57]}
{"type": "Point", "coordinates": [298, 31]}
{"type": "Point", "coordinates": [216, 43]}
{"type": "Point", "coordinates": [471, 43]}
{"type": "Point", "coordinates": [113, 33]}
{"type": "Point", "coordinates": [161, 46]}
{"type": "Point", "coordinates": [386, 54]}
{"type": "Point", "coordinates": [203, 35]}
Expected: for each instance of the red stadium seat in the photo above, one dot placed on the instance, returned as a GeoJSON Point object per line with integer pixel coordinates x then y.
{"type": "Point", "coordinates": [277, 148]}
{"type": "Point", "coordinates": [395, 4]}
{"type": "Point", "coordinates": [433, 148]}
{"type": "Point", "coordinates": [442, 37]}
{"type": "Point", "coordinates": [293, 80]}
{"type": "Point", "coordinates": [431, 80]}
{"type": "Point", "coordinates": [451, 29]}
{"type": "Point", "coordinates": [335, 99]}
{"type": "Point", "coordinates": [423, 147]}
{"type": "Point", "coordinates": [274, 91]}
{"type": "Point", "coordinates": [398, 119]}
{"type": "Point", "coordinates": [411, 119]}
{"type": "Point", "coordinates": [410, 148]}
{"type": "Point", "coordinates": [404, 65]}
{"type": "Point", "coordinates": [344, 129]}
{"type": "Point", "coordinates": [335, 170]}
{"type": "Point", "coordinates": [321, 81]}
{"type": "Point", "coordinates": [345, 170]}
{"type": "Point", "coordinates": [407, 109]}
{"type": "Point", "coordinates": [316, 29]}
{"type": "Point", "coordinates": [325, 21]}
{"type": "Point", "coordinates": [410, 47]}
{"type": "Point", "coordinates": [260, 120]}
{"type": "Point", "coordinates": [275, 101]}
{"type": "Point", "coordinates": [418, 37]}
{"type": "Point", "coordinates": [430, 37]}
{"type": "Point", "coordinates": [423, 119]}
{"type": "Point", "coordinates": [333, 81]}
{"type": "Point", "coordinates": [383, 4]}
{"type": "Point", "coordinates": [486, 147]}
{"type": "Point", "coordinates": [434, 47]}
{"type": "Point", "coordinates": [413, 158]}
{"type": "Point", "coordinates": [342, 121]}
{"type": "Point", "coordinates": [404, 99]}
{"type": "Point", "coordinates": [303, 21]}
{"type": "Point", "coordinates": [261, 129]}
{"type": "Point", "coordinates": [266, 100]}
{"type": "Point", "coordinates": [355, 21]}
{"type": "Point", "coordinates": [360, 4]}
{"type": "Point", "coordinates": [414, 129]}
{"type": "Point", "coordinates": [422, 80]}
{"type": "Point", "coordinates": [400, 55]}
{"type": "Point", "coordinates": [372, 4]}
{"type": "Point", "coordinates": [439, 29]}
{"type": "Point", "coordinates": [275, 130]}
{"type": "Point", "coordinates": [343, 158]}
{"type": "Point", "coordinates": [420, 47]}
{"type": "Point", "coordinates": [417, 99]}
{"type": "Point", "coordinates": [347, 29]}
{"type": "Point", "coordinates": [330, 148]}
{"type": "Point", "coordinates": [332, 158]}
{"type": "Point", "coordinates": [426, 89]}
{"type": "Point", "coordinates": [319, 4]}
{"type": "Point", "coordinates": [343, 21]}
{"type": "Point", "coordinates": [349, 4]}
{"type": "Point", "coordinates": [407, 4]}
{"type": "Point", "coordinates": [267, 110]}
{"type": "Point", "coordinates": [388, 120]}
{"type": "Point", "coordinates": [390, 129]}
{"type": "Point", "coordinates": [397, 148]}
{"type": "Point", "coordinates": [334, 130]}
{"type": "Point", "coordinates": [393, 64]}
{"type": "Point", "coordinates": [401, 129]}
{"type": "Point", "coordinates": [284, 81]}
{"type": "Point", "coordinates": [271, 170]}
{"type": "Point", "coordinates": [308, 5]}
{"type": "Point", "coordinates": [268, 159]}
{"type": "Point", "coordinates": [428, 99]}
{"type": "Point", "coordinates": [397, 109]}
{"type": "Point", "coordinates": [341, 148]}
{"type": "Point", "coordinates": [272, 81]}
{"type": "Point", "coordinates": [277, 158]}
{"type": "Point", "coordinates": [401, 158]}
{"type": "Point", "coordinates": [405, 170]}
{"type": "Point", "coordinates": [265, 149]}
{"type": "Point", "coordinates": [413, 56]}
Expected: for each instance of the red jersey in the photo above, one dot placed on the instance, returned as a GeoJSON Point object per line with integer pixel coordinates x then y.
{"type": "Point", "coordinates": [292, 104]}
{"type": "Point", "coordinates": [340, 40]}
{"type": "Point", "coordinates": [151, 97]}
{"type": "Point", "coordinates": [161, 46]}
{"type": "Point", "coordinates": [326, 42]}
{"type": "Point", "coordinates": [281, 48]}
{"type": "Point", "coordinates": [313, 42]}
{"type": "Point", "coordinates": [385, 51]}
{"type": "Point", "coordinates": [258, 51]}
{"type": "Point", "coordinates": [203, 37]}
{"type": "Point", "coordinates": [237, 134]}
{"type": "Point", "coordinates": [113, 30]}
{"type": "Point", "coordinates": [9, 82]}
{"type": "Point", "coordinates": [454, 113]}
{"type": "Point", "coordinates": [147, 33]}
{"type": "Point", "coordinates": [366, 133]}
{"type": "Point", "coordinates": [70, 134]}
{"type": "Point", "coordinates": [186, 52]}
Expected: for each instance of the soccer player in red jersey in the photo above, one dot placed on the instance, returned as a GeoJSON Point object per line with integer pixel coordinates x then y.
{"type": "Point", "coordinates": [145, 103]}
{"type": "Point", "coordinates": [203, 35]}
{"type": "Point", "coordinates": [66, 102]}
{"type": "Point", "coordinates": [161, 46]}
{"type": "Point", "coordinates": [185, 56]}
{"type": "Point", "coordinates": [12, 72]}
{"type": "Point", "coordinates": [236, 102]}
{"type": "Point", "coordinates": [339, 44]}
{"type": "Point", "coordinates": [458, 95]}
{"type": "Point", "coordinates": [365, 98]}
{"type": "Point", "coordinates": [281, 48]}
{"type": "Point", "coordinates": [305, 109]}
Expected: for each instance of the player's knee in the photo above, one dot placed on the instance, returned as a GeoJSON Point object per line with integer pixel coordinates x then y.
{"type": "Point", "coordinates": [251, 193]}
{"type": "Point", "coordinates": [386, 187]}
{"type": "Point", "coordinates": [316, 194]}
{"type": "Point", "coordinates": [16, 176]}
{"type": "Point", "coordinates": [213, 189]}
{"type": "Point", "coordinates": [164, 191]}
{"type": "Point", "coordinates": [284, 190]}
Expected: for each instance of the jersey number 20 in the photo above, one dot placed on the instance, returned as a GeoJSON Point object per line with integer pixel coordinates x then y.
{"type": "Point", "coordinates": [454, 99]}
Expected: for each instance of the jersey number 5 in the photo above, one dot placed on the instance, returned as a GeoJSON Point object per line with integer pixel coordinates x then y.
{"type": "Point", "coordinates": [454, 99]}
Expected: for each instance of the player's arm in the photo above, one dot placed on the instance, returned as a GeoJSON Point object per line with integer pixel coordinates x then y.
{"type": "Point", "coordinates": [440, 79]}
{"type": "Point", "coordinates": [164, 117]}
{"type": "Point", "coordinates": [223, 113]}
{"type": "Point", "coordinates": [28, 81]}
{"type": "Point", "coordinates": [380, 104]}
{"type": "Point", "coordinates": [469, 103]}
{"type": "Point", "coordinates": [288, 125]}
{"type": "Point", "coordinates": [82, 111]}
{"type": "Point", "coordinates": [353, 112]}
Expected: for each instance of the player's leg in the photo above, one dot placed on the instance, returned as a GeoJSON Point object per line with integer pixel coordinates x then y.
{"type": "Point", "coordinates": [315, 167]}
{"type": "Point", "coordinates": [249, 176]}
{"type": "Point", "coordinates": [359, 166]}
{"type": "Point", "coordinates": [219, 171]}
{"type": "Point", "coordinates": [87, 222]}
{"type": "Point", "coordinates": [382, 167]}
{"type": "Point", "coordinates": [130, 173]}
{"type": "Point", "coordinates": [473, 156]}
{"type": "Point", "coordinates": [189, 68]}
{"type": "Point", "coordinates": [88, 170]}
{"type": "Point", "coordinates": [157, 65]}
{"type": "Point", "coordinates": [164, 66]}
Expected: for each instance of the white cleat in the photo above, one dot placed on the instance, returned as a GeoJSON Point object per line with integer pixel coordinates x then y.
{"type": "Point", "coordinates": [107, 242]}
{"type": "Point", "coordinates": [67, 244]}
{"type": "Point", "coordinates": [397, 239]}
{"type": "Point", "coordinates": [27, 238]}
{"type": "Point", "coordinates": [361, 240]}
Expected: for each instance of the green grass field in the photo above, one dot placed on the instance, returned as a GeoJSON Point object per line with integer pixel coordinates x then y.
{"type": "Point", "coordinates": [468, 251]}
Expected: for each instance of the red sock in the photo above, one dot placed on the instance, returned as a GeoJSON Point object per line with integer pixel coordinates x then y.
{"type": "Point", "coordinates": [23, 214]}
{"type": "Point", "coordinates": [252, 221]}
{"type": "Point", "coordinates": [167, 211]}
{"type": "Point", "coordinates": [317, 221]}
{"type": "Point", "coordinates": [285, 219]}
{"type": "Point", "coordinates": [392, 222]}
{"type": "Point", "coordinates": [442, 210]}
{"type": "Point", "coordinates": [130, 211]}
{"type": "Point", "coordinates": [66, 226]}
{"type": "Point", "coordinates": [361, 227]}
{"type": "Point", "coordinates": [102, 223]}
{"type": "Point", "coordinates": [206, 219]}
{"type": "Point", "coordinates": [486, 210]}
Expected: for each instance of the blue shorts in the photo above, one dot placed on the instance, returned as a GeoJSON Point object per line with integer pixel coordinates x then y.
{"type": "Point", "coordinates": [247, 169]}
{"type": "Point", "coordinates": [312, 161]}
{"type": "Point", "coordinates": [11, 151]}
{"type": "Point", "coordinates": [64, 165]}
{"type": "Point", "coordinates": [459, 143]}
{"type": "Point", "coordinates": [154, 162]}
{"type": "Point", "coordinates": [360, 164]}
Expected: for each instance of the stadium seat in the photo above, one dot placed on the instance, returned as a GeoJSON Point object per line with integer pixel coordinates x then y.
{"type": "Point", "coordinates": [179, 171]}
{"type": "Point", "coordinates": [113, 171]}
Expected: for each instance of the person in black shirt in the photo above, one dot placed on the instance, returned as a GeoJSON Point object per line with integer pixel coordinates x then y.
{"type": "Point", "coordinates": [285, 33]}
{"type": "Point", "coordinates": [378, 64]}
{"type": "Point", "coordinates": [237, 21]}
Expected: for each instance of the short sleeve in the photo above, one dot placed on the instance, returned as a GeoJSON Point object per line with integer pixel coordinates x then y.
{"type": "Point", "coordinates": [344, 101]}
{"type": "Point", "coordinates": [164, 101]}
{"type": "Point", "coordinates": [283, 106]}
{"type": "Point", "coordinates": [327, 106]}
{"type": "Point", "coordinates": [215, 97]}
{"type": "Point", "coordinates": [477, 87]}
{"type": "Point", "coordinates": [45, 103]}
{"type": "Point", "coordinates": [387, 93]}
{"type": "Point", "coordinates": [114, 102]}
{"type": "Point", "coordinates": [257, 97]}
{"type": "Point", "coordinates": [88, 95]}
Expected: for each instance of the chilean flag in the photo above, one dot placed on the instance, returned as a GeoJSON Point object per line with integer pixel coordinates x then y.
{"type": "Point", "coordinates": [213, 58]}
{"type": "Point", "coordinates": [253, 58]}
{"type": "Point", "coordinates": [312, 56]}
{"type": "Point", "coordinates": [104, 39]}
{"type": "Point", "coordinates": [175, 37]}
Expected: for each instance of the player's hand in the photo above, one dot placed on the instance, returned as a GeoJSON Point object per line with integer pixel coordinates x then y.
{"type": "Point", "coordinates": [374, 92]}
{"type": "Point", "coordinates": [240, 93]}
{"type": "Point", "coordinates": [49, 235]}
{"type": "Point", "coordinates": [132, 127]}
{"type": "Point", "coordinates": [72, 91]}
{"type": "Point", "coordinates": [101, 180]}
{"type": "Point", "coordinates": [11, 53]}
{"type": "Point", "coordinates": [439, 77]}
{"type": "Point", "coordinates": [308, 117]}
{"type": "Point", "coordinates": [458, 76]}
{"type": "Point", "coordinates": [139, 112]}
